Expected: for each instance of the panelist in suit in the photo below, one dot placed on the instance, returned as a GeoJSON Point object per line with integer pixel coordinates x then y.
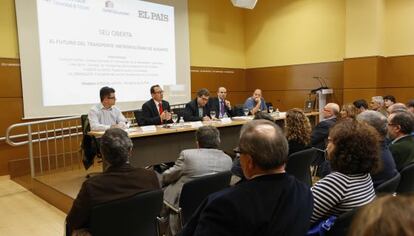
{"type": "Point", "coordinates": [269, 202]}
{"type": "Point", "coordinates": [198, 109]}
{"type": "Point", "coordinates": [156, 111]}
{"type": "Point", "coordinates": [220, 105]}
{"type": "Point", "coordinates": [105, 114]}
{"type": "Point", "coordinates": [207, 159]}
{"type": "Point", "coordinates": [119, 180]}
{"type": "Point", "coordinates": [255, 103]}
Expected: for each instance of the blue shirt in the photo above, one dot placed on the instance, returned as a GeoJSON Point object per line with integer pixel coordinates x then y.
{"type": "Point", "coordinates": [251, 103]}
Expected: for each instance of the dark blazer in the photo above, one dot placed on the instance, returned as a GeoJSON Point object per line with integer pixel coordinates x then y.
{"type": "Point", "coordinates": [295, 146]}
{"type": "Point", "coordinates": [388, 166]}
{"type": "Point", "coordinates": [150, 115]}
{"type": "Point", "coordinates": [114, 183]}
{"type": "Point", "coordinates": [215, 106]}
{"type": "Point", "coordinates": [320, 133]}
{"type": "Point", "coordinates": [266, 205]}
{"type": "Point", "coordinates": [403, 151]}
{"type": "Point", "coordinates": [191, 111]}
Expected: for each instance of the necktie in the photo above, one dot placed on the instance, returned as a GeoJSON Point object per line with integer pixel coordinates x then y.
{"type": "Point", "coordinates": [222, 108]}
{"type": "Point", "coordinates": [160, 109]}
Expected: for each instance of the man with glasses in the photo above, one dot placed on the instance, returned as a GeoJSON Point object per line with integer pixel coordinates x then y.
{"type": "Point", "coordinates": [156, 111]}
{"type": "Point", "coordinates": [106, 115]}
{"type": "Point", "coordinates": [400, 127]}
{"type": "Point", "coordinates": [198, 109]}
{"type": "Point", "coordinates": [269, 202]}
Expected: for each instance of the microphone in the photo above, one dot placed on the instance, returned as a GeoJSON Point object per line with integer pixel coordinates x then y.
{"type": "Point", "coordinates": [322, 86]}
{"type": "Point", "coordinates": [324, 82]}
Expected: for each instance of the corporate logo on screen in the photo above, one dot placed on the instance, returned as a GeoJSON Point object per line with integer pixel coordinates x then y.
{"type": "Point", "coordinates": [156, 16]}
{"type": "Point", "coordinates": [109, 7]}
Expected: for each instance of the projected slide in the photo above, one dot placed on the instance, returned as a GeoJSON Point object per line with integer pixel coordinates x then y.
{"type": "Point", "coordinates": [84, 45]}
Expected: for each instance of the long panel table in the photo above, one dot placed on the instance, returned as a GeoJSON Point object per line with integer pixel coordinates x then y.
{"type": "Point", "coordinates": [164, 144]}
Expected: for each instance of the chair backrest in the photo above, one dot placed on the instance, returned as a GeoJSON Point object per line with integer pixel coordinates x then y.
{"type": "Point", "coordinates": [129, 217]}
{"type": "Point", "coordinates": [195, 191]}
{"type": "Point", "coordinates": [389, 186]}
{"type": "Point", "coordinates": [238, 110]}
{"type": "Point", "coordinates": [342, 223]}
{"type": "Point", "coordinates": [180, 112]}
{"type": "Point", "coordinates": [299, 163]}
{"type": "Point", "coordinates": [407, 176]}
{"type": "Point", "coordinates": [138, 117]}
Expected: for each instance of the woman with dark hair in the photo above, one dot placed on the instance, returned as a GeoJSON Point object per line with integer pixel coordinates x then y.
{"type": "Point", "coordinates": [298, 130]}
{"type": "Point", "coordinates": [353, 150]}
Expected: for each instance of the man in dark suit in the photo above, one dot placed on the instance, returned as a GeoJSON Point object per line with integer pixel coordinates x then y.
{"type": "Point", "coordinates": [198, 109]}
{"type": "Point", "coordinates": [220, 105]}
{"type": "Point", "coordinates": [400, 127]}
{"type": "Point", "coordinates": [156, 111]}
{"type": "Point", "coordinates": [120, 180]}
{"type": "Point", "coordinates": [270, 202]}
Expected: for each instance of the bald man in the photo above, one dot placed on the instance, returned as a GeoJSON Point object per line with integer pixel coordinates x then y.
{"type": "Point", "coordinates": [255, 103]}
{"type": "Point", "coordinates": [220, 104]}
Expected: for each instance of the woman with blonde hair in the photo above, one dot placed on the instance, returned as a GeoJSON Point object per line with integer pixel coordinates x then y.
{"type": "Point", "coordinates": [349, 111]}
{"type": "Point", "coordinates": [298, 130]}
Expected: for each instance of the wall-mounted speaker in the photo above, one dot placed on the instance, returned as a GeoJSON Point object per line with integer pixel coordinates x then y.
{"type": "Point", "coordinates": [249, 4]}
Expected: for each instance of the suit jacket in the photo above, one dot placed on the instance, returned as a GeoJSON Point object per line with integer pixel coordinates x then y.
{"type": "Point", "coordinates": [275, 204]}
{"type": "Point", "coordinates": [403, 151]}
{"type": "Point", "coordinates": [388, 166]}
{"type": "Point", "coordinates": [191, 111]}
{"type": "Point", "coordinates": [114, 183]}
{"type": "Point", "coordinates": [150, 115]}
{"type": "Point", "coordinates": [320, 133]}
{"type": "Point", "coordinates": [191, 164]}
{"type": "Point", "coordinates": [215, 106]}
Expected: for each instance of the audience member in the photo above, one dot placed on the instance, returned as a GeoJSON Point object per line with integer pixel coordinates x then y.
{"type": "Point", "coordinates": [270, 202]}
{"type": "Point", "coordinates": [156, 111]}
{"type": "Point", "coordinates": [361, 105]}
{"type": "Point", "coordinates": [220, 105]}
{"type": "Point", "coordinates": [386, 215]}
{"type": "Point", "coordinates": [263, 116]}
{"type": "Point", "coordinates": [377, 104]}
{"type": "Point", "coordinates": [198, 109]}
{"type": "Point", "coordinates": [410, 106]}
{"type": "Point", "coordinates": [106, 115]}
{"type": "Point", "coordinates": [321, 130]}
{"type": "Point", "coordinates": [119, 180]}
{"type": "Point", "coordinates": [255, 103]}
{"type": "Point", "coordinates": [298, 130]}
{"type": "Point", "coordinates": [389, 100]}
{"type": "Point", "coordinates": [396, 107]}
{"type": "Point", "coordinates": [400, 127]}
{"type": "Point", "coordinates": [349, 111]}
{"type": "Point", "coordinates": [194, 163]}
{"type": "Point", "coordinates": [353, 150]}
{"type": "Point", "coordinates": [387, 168]}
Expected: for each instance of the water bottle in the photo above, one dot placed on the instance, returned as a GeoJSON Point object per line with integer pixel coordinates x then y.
{"type": "Point", "coordinates": [181, 120]}
{"type": "Point", "coordinates": [277, 113]}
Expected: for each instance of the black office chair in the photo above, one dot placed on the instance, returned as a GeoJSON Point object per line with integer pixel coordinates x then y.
{"type": "Point", "coordinates": [268, 104]}
{"type": "Point", "coordinates": [179, 111]}
{"type": "Point", "coordinates": [90, 145]}
{"type": "Point", "coordinates": [138, 117]}
{"type": "Point", "coordinates": [136, 215]}
{"type": "Point", "coordinates": [342, 224]}
{"type": "Point", "coordinates": [195, 191]}
{"type": "Point", "coordinates": [238, 110]}
{"type": "Point", "coordinates": [407, 176]}
{"type": "Point", "coordinates": [299, 164]}
{"type": "Point", "coordinates": [389, 186]}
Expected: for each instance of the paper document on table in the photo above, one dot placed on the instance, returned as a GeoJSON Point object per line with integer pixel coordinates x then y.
{"type": "Point", "coordinates": [148, 128]}
{"type": "Point", "coordinates": [196, 124]}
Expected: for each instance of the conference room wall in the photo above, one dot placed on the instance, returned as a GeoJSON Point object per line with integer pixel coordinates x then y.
{"type": "Point", "coordinates": [8, 30]}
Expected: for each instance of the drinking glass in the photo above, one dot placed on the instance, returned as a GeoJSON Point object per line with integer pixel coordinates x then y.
{"type": "Point", "coordinates": [213, 114]}
{"type": "Point", "coordinates": [270, 109]}
{"type": "Point", "coordinates": [246, 111]}
{"type": "Point", "coordinates": [174, 117]}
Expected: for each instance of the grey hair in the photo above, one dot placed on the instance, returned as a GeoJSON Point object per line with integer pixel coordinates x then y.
{"type": "Point", "coordinates": [375, 119]}
{"type": "Point", "coordinates": [379, 100]}
{"type": "Point", "coordinates": [264, 141]}
{"type": "Point", "coordinates": [116, 146]}
{"type": "Point", "coordinates": [208, 137]}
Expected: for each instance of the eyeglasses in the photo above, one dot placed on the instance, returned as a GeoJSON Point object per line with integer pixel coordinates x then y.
{"type": "Point", "coordinates": [237, 150]}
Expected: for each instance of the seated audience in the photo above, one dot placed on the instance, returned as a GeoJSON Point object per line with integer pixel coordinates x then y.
{"type": "Point", "coordinates": [410, 106]}
{"type": "Point", "coordinates": [400, 127]}
{"type": "Point", "coordinates": [270, 202]}
{"type": "Point", "coordinates": [106, 115]}
{"type": "Point", "coordinates": [156, 111]}
{"type": "Point", "coordinates": [297, 130]}
{"type": "Point", "coordinates": [263, 116]}
{"type": "Point", "coordinates": [119, 180]}
{"type": "Point", "coordinates": [321, 130]}
{"type": "Point", "coordinates": [353, 153]}
{"type": "Point", "coordinates": [255, 103]}
{"type": "Point", "coordinates": [386, 215]}
{"type": "Point", "coordinates": [207, 159]}
{"type": "Point", "coordinates": [377, 104]}
{"type": "Point", "coordinates": [387, 168]}
{"type": "Point", "coordinates": [220, 105]}
{"type": "Point", "coordinates": [198, 109]}
{"type": "Point", "coordinates": [396, 107]}
{"type": "Point", "coordinates": [389, 100]}
{"type": "Point", "coordinates": [349, 111]}
{"type": "Point", "coordinates": [361, 105]}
